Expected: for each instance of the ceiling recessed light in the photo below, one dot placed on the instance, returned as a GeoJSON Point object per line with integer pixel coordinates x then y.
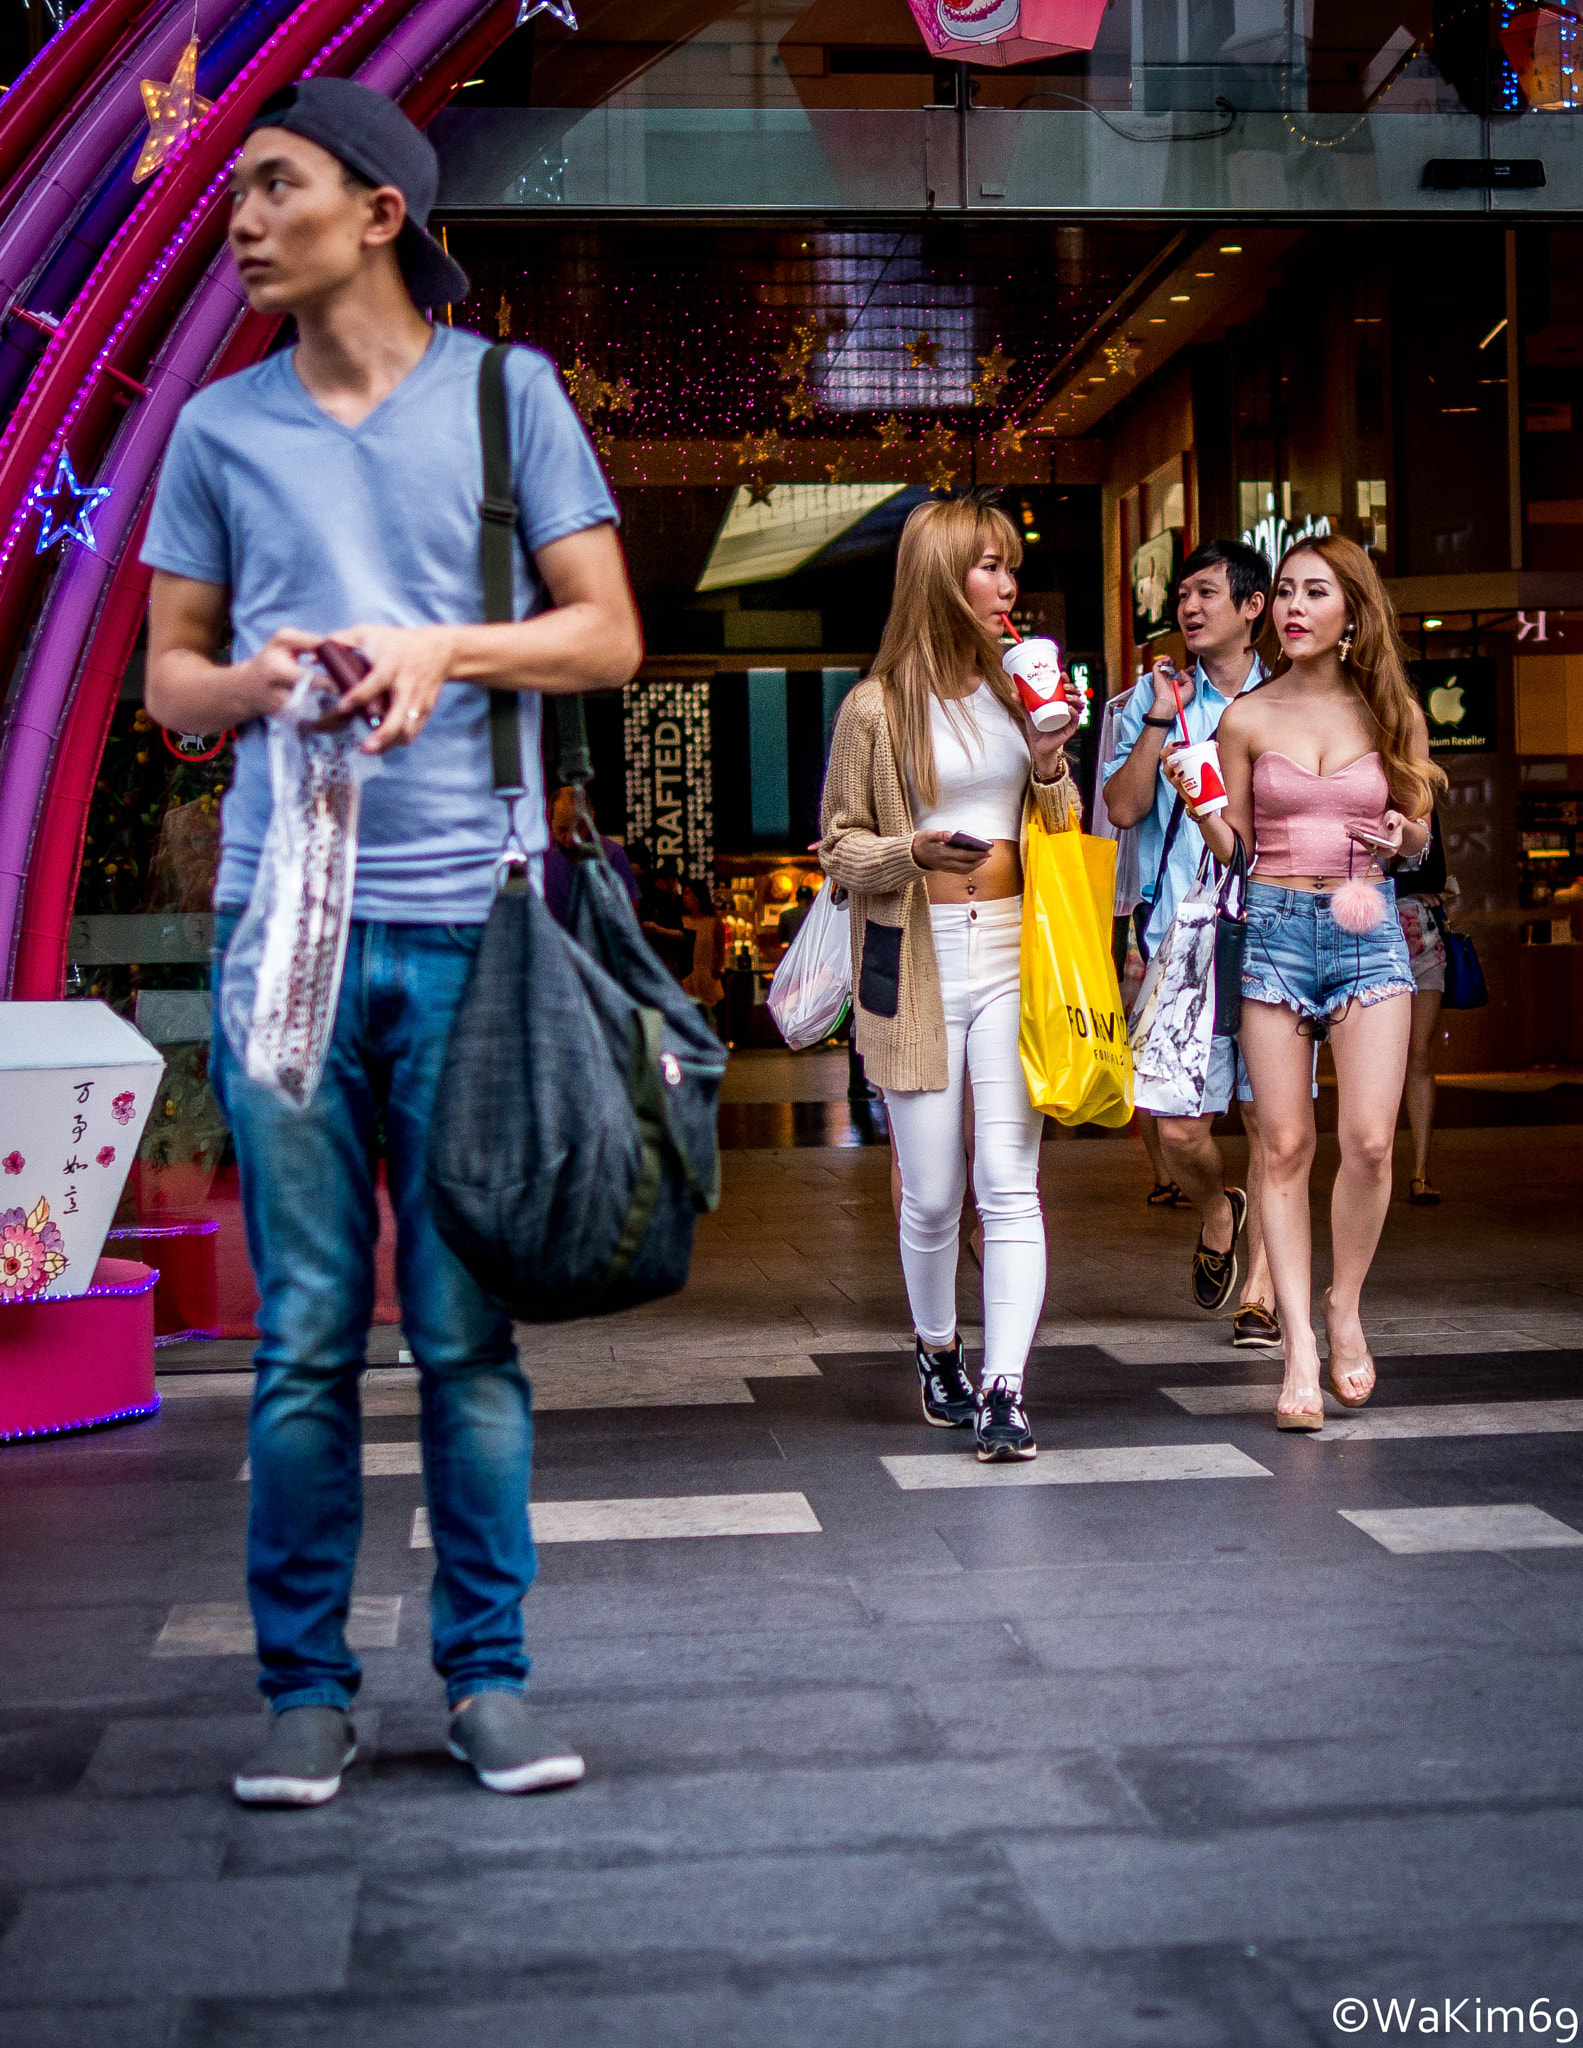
{"type": "Point", "coordinates": [1096, 380]}
{"type": "Point", "coordinates": [1231, 248]}
{"type": "Point", "coordinates": [1180, 298]}
{"type": "Point", "coordinates": [1203, 273]}
{"type": "Point", "coordinates": [1431, 624]}
{"type": "Point", "coordinates": [1156, 319]}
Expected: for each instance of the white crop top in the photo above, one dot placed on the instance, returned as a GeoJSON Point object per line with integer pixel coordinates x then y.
{"type": "Point", "coordinates": [981, 769]}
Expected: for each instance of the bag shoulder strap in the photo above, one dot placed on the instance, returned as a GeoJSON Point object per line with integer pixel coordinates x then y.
{"type": "Point", "coordinates": [1178, 812]}
{"type": "Point", "coordinates": [497, 519]}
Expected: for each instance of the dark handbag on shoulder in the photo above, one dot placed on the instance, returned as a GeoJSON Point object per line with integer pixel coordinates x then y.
{"type": "Point", "coordinates": [1231, 941]}
{"type": "Point", "coordinates": [1466, 988]}
{"type": "Point", "coordinates": [574, 1140]}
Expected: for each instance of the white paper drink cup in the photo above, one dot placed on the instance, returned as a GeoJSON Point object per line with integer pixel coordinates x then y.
{"type": "Point", "coordinates": [1200, 767]}
{"type": "Point", "coordinates": [1035, 667]}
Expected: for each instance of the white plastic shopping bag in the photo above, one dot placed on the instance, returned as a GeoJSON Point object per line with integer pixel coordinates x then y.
{"type": "Point", "coordinates": [282, 975]}
{"type": "Point", "coordinates": [813, 984]}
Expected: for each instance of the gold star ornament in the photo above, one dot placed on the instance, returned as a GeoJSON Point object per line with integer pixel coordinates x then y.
{"type": "Point", "coordinates": [923, 351]}
{"type": "Point", "coordinates": [174, 110]}
{"type": "Point", "coordinates": [1010, 439]}
{"type": "Point", "coordinates": [993, 370]}
{"type": "Point", "coordinates": [892, 432]}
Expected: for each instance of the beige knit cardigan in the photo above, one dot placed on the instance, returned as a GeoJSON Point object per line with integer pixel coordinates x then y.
{"type": "Point", "coordinates": [867, 848]}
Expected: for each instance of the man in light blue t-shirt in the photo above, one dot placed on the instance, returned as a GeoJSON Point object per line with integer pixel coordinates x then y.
{"type": "Point", "coordinates": [333, 491]}
{"type": "Point", "coordinates": [1223, 590]}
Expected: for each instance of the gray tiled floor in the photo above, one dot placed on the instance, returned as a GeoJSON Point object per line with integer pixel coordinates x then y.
{"type": "Point", "coordinates": [1167, 1765]}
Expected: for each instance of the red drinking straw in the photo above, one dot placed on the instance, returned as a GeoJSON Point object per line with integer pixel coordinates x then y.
{"type": "Point", "coordinates": [1005, 620]}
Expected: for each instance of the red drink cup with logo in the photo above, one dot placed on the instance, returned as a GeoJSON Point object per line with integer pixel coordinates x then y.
{"type": "Point", "coordinates": [1035, 668]}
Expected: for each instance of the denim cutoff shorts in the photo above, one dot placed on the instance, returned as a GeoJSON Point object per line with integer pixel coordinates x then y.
{"type": "Point", "coordinates": [1298, 955]}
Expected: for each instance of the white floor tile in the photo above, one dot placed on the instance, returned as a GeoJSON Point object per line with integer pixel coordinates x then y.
{"type": "Point", "coordinates": [204, 1386]}
{"type": "Point", "coordinates": [1469, 1418]}
{"type": "Point", "coordinates": [1258, 1399]}
{"type": "Point", "coordinates": [380, 1461]}
{"type": "Point", "coordinates": [639, 1521]}
{"type": "Point", "coordinates": [224, 1628]}
{"type": "Point", "coordinates": [1415, 1532]}
{"type": "Point", "coordinates": [1080, 1468]}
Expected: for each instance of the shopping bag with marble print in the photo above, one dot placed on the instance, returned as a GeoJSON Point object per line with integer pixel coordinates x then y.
{"type": "Point", "coordinates": [1173, 1025]}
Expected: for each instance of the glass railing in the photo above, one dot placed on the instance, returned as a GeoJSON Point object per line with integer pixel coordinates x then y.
{"type": "Point", "coordinates": [1066, 159]}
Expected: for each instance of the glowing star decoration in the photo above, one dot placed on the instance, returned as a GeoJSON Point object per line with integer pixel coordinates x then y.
{"type": "Point", "coordinates": [940, 453]}
{"type": "Point", "coordinates": [64, 509]}
{"type": "Point", "coordinates": [759, 492]}
{"type": "Point", "coordinates": [993, 370]}
{"type": "Point", "coordinates": [1121, 357]}
{"type": "Point", "coordinates": [799, 403]}
{"type": "Point", "coordinates": [923, 351]}
{"type": "Point", "coordinates": [1009, 440]}
{"type": "Point", "coordinates": [558, 10]}
{"type": "Point", "coordinates": [892, 432]}
{"type": "Point", "coordinates": [173, 110]}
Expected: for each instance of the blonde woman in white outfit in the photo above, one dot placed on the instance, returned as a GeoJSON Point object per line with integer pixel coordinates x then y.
{"type": "Point", "coordinates": [933, 774]}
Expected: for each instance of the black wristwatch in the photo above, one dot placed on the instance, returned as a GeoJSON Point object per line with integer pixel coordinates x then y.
{"type": "Point", "coordinates": [1162, 722]}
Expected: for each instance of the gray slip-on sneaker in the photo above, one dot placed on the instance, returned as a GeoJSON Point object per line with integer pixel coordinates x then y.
{"type": "Point", "coordinates": [495, 1734]}
{"type": "Point", "coordinates": [302, 1759]}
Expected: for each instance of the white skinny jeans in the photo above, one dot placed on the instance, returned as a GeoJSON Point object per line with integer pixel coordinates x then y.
{"type": "Point", "coordinates": [979, 948]}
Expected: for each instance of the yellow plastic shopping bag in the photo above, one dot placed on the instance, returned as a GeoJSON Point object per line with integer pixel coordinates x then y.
{"type": "Point", "coordinates": [1073, 1042]}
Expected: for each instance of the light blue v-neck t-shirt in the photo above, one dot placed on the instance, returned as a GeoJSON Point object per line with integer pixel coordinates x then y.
{"type": "Point", "coordinates": [318, 525]}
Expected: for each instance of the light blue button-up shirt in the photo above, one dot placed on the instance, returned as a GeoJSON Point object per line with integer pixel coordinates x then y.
{"type": "Point", "coordinates": [1202, 716]}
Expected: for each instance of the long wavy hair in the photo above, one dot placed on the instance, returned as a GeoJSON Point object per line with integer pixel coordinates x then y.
{"type": "Point", "coordinates": [933, 634]}
{"type": "Point", "coordinates": [1376, 667]}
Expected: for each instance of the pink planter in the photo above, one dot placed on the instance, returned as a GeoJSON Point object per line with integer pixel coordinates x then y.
{"type": "Point", "coordinates": [84, 1360]}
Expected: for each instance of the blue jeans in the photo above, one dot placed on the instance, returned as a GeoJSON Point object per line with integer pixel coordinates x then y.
{"type": "Point", "coordinates": [312, 1223]}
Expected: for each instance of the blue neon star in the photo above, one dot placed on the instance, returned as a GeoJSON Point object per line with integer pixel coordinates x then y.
{"type": "Point", "coordinates": [558, 10]}
{"type": "Point", "coordinates": [83, 500]}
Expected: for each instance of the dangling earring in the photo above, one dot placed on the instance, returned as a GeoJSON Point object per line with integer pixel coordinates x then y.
{"type": "Point", "coordinates": [1344, 651]}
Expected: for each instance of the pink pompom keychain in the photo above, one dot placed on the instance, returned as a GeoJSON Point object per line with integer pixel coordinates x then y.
{"type": "Point", "coordinates": [1358, 906]}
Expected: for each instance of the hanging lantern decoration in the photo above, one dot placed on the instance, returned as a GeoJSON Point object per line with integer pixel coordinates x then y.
{"type": "Point", "coordinates": [1542, 46]}
{"type": "Point", "coordinates": [174, 110]}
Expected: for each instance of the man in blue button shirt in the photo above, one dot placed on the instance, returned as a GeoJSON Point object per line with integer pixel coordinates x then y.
{"type": "Point", "coordinates": [1220, 605]}
{"type": "Point", "coordinates": [333, 491]}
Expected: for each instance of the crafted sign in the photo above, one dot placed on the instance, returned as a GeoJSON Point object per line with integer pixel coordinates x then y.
{"type": "Point", "coordinates": [76, 1085]}
{"type": "Point", "coordinates": [1007, 31]}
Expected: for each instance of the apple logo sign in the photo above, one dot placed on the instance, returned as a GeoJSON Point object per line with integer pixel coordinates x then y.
{"type": "Point", "coordinates": [1445, 703]}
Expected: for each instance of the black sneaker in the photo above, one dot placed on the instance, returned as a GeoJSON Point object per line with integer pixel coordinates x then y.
{"type": "Point", "coordinates": [1000, 1428]}
{"type": "Point", "coordinates": [1215, 1273]}
{"type": "Point", "coordinates": [948, 1398]}
{"type": "Point", "coordinates": [304, 1754]}
{"type": "Point", "coordinates": [1256, 1328]}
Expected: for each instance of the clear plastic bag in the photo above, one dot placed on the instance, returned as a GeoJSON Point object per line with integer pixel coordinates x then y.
{"type": "Point", "coordinates": [812, 988]}
{"type": "Point", "coordinates": [282, 975]}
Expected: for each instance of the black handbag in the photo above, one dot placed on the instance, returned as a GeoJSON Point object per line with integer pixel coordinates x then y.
{"type": "Point", "coordinates": [1231, 942]}
{"type": "Point", "coordinates": [574, 1140]}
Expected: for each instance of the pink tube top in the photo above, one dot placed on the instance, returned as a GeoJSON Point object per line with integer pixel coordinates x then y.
{"type": "Point", "coordinates": [1301, 820]}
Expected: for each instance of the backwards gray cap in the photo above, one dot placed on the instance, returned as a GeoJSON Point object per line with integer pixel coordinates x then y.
{"type": "Point", "coordinates": [368, 132]}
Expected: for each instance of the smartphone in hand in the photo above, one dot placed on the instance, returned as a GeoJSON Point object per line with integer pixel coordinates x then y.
{"type": "Point", "coordinates": [966, 843]}
{"type": "Point", "coordinates": [346, 667]}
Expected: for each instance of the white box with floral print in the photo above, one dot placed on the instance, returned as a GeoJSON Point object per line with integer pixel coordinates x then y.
{"type": "Point", "coordinates": [77, 1083]}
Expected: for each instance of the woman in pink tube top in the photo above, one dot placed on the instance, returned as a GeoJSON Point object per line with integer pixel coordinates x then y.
{"type": "Point", "coordinates": [1329, 780]}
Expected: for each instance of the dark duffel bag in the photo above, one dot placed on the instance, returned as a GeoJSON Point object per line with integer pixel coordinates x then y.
{"type": "Point", "coordinates": [574, 1140]}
